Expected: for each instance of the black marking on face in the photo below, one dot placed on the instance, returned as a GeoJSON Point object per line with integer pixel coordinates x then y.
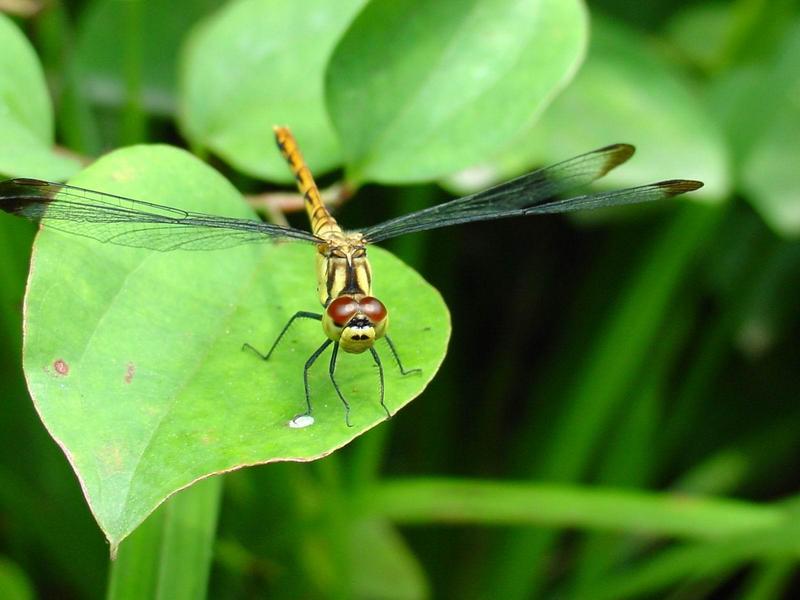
{"type": "Point", "coordinates": [359, 322]}
{"type": "Point", "coordinates": [330, 278]}
{"type": "Point", "coordinates": [351, 284]}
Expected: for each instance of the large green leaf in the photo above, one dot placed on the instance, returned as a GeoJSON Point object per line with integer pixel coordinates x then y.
{"type": "Point", "coordinates": [134, 358]}
{"type": "Point", "coordinates": [625, 92]}
{"type": "Point", "coordinates": [259, 63]}
{"type": "Point", "coordinates": [418, 90]}
{"type": "Point", "coordinates": [26, 117]}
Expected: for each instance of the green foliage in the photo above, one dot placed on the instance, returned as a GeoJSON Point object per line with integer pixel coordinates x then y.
{"type": "Point", "coordinates": [169, 555]}
{"type": "Point", "coordinates": [769, 174]}
{"type": "Point", "coordinates": [632, 381]}
{"type": "Point", "coordinates": [26, 119]}
{"type": "Point", "coordinates": [624, 91]}
{"type": "Point", "coordinates": [151, 359]}
{"type": "Point", "coordinates": [150, 53]}
{"type": "Point", "coordinates": [419, 90]}
{"type": "Point", "coordinates": [232, 94]}
{"type": "Point", "coordinates": [14, 582]}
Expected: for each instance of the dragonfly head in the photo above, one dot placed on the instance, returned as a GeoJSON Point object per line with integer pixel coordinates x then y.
{"type": "Point", "coordinates": [355, 324]}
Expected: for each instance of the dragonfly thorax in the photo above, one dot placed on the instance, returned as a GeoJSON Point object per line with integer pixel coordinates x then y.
{"type": "Point", "coordinates": [355, 322]}
{"type": "Point", "coordinates": [352, 317]}
{"type": "Point", "coordinates": [342, 267]}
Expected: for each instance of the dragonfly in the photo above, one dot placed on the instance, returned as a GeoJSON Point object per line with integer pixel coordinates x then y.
{"type": "Point", "coordinates": [352, 318]}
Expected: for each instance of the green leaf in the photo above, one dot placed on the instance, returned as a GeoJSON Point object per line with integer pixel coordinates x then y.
{"type": "Point", "coordinates": [770, 172]}
{"type": "Point", "coordinates": [488, 502]}
{"type": "Point", "coordinates": [259, 63]}
{"type": "Point", "coordinates": [135, 570]}
{"type": "Point", "coordinates": [14, 582]}
{"type": "Point", "coordinates": [26, 116]}
{"type": "Point", "coordinates": [701, 31]}
{"type": "Point", "coordinates": [188, 544]}
{"type": "Point", "coordinates": [164, 24]}
{"type": "Point", "coordinates": [751, 97]}
{"type": "Point", "coordinates": [609, 368]}
{"type": "Point", "coordinates": [169, 556]}
{"type": "Point", "coordinates": [771, 176]}
{"type": "Point", "coordinates": [389, 570]}
{"type": "Point", "coordinates": [716, 560]}
{"type": "Point", "coordinates": [134, 358]}
{"type": "Point", "coordinates": [419, 90]}
{"type": "Point", "coordinates": [625, 92]}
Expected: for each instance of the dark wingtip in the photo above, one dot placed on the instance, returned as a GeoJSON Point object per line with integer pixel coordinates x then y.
{"type": "Point", "coordinates": [10, 188]}
{"type": "Point", "coordinates": [16, 195]}
{"type": "Point", "coordinates": [29, 182]}
{"type": "Point", "coordinates": [617, 154]}
{"type": "Point", "coordinates": [673, 187]}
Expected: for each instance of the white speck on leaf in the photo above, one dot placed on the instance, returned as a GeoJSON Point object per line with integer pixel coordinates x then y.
{"type": "Point", "coordinates": [301, 421]}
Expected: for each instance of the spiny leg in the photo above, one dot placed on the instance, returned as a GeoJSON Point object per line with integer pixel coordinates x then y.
{"type": "Point", "coordinates": [378, 362]}
{"type": "Point", "coordinates": [310, 362]}
{"type": "Point", "coordinates": [331, 370]}
{"type": "Point", "coordinates": [301, 314]}
{"type": "Point", "coordinates": [397, 358]}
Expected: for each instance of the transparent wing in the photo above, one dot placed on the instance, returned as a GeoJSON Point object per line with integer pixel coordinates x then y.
{"type": "Point", "coordinates": [635, 195]}
{"type": "Point", "coordinates": [128, 222]}
{"type": "Point", "coordinates": [546, 190]}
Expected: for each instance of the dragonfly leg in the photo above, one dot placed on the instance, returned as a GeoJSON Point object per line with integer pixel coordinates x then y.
{"type": "Point", "coordinates": [310, 362]}
{"type": "Point", "coordinates": [301, 314]}
{"type": "Point", "coordinates": [397, 358]}
{"type": "Point", "coordinates": [332, 370]}
{"type": "Point", "coordinates": [378, 362]}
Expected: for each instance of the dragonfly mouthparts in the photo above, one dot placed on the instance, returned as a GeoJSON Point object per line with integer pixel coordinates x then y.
{"type": "Point", "coordinates": [359, 322]}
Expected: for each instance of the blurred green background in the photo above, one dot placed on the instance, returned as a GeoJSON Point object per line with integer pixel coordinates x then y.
{"type": "Point", "coordinates": [617, 419]}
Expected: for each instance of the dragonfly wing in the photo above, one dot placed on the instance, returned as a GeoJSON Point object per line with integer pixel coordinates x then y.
{"type": "Point", "coordinates": [635, 195]}
{"type": "Point", "coordinates": [128, 222]}
{"type": "Point", "coordinates": [509, 198]}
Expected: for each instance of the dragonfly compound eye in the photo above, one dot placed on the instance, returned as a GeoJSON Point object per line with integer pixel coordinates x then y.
{"type": "Point", "coordinates": [373, 309]}
{"type": "Point", "coordinates": [342, 310]}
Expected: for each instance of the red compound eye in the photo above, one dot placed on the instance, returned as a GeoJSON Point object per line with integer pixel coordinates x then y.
{"type": "Point", "coordinates": [373, 308]}
{"type": "Point", "coordinates": [342, 310]}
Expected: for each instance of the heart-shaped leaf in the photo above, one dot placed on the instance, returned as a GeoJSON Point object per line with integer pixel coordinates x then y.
{"type": "Point", "coordinates": [26, 116]}
{"type": "Point", "coordinates": [134, 358]}
{"type": "Point", "coordinates": [259, 63]}
{"type": "Point", "coordinates": [418, 90]}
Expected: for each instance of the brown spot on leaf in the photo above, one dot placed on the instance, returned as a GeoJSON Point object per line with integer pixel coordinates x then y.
{"type": "Point", "coordinates": [130, 372]}
{"type": "Point", "coordinates": [61, 367]}
{"type": "Point", "coordinates": [110, 459]}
